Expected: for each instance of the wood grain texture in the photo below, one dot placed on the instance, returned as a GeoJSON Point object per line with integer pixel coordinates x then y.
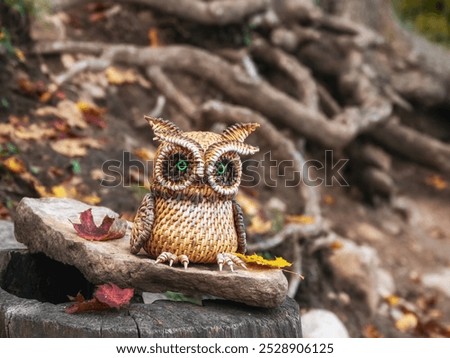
{"type": "Point", "coordinates": [28, 317]}
{"type": "Point", "coordinates": [43, 225]}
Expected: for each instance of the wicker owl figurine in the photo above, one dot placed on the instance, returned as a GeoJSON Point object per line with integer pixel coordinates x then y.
{"type": "Point", "coordinates": [190, 213]}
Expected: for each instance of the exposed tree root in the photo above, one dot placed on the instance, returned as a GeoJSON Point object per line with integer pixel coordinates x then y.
{"type": "Point", "coordinates": [170, 91]}
{"type": "Point", "coordinates": [238, 85]}
{"type": "Point", "coordinates": [414, 145]}
{"type": "Point", "coordinates": [345, 80]}
{"type": "Point", "coordinates": [219, 12]}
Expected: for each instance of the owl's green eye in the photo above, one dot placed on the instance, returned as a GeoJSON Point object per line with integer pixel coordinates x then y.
{"type": "Point", "coordinates": [221, 168]}
{"type": "Point", "coordinates": [182, 165]}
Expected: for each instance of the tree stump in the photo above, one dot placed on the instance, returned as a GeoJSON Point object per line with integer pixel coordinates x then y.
{"type": "Point", "coordinates": [33, 296]}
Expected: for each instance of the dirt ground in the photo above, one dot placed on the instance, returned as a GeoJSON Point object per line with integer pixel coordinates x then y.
{"type": "Point", "coordinates": [411, 235]}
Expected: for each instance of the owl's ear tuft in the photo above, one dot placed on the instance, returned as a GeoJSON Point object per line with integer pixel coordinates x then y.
{"type": "Point", "coordinates": [160, 125]}
{"type": "Point", "coordinates": [238, 132]}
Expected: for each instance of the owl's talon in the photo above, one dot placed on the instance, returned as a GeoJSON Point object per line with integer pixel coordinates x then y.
{"type": "Point", "coordinates": [167, 256]}
{"type": "Point", "coordinates": [173, 259]}
{"type": "Point", "coordinates": [229, 260]}
{"type": "Point", "coordinates": [184, 260]}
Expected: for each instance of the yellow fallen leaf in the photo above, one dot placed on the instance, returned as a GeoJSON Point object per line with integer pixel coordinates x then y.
{"type": "Point", "coordinates": [61, 191]}
{"type": "Point", "coordinates": [153, 37]}
{"type": "Point", "coordinates": [15, 165]}
{"type": "Point", "coordinates": [370, 331]}
{"type": "Point", "coordinates": [406, 322]}
{"type": "Point", "coordinates": [116, 76]}
{"type": "Point", "coordinates": [92, 199]}
{"type": "Point", "coordinates": [437, 182]}
{"type": "Point", "coordinates": [259, 226]}
{"type": "Point", "coordinates": [145, 154]}
{"type": "Point", "coordinates": [92, 114]}
{"type": "Point", "coordinates": [329, 200]}
{"type": "Point", "coordinates": [392, 300]}
{"type": "Point", "coordinates": [20, 55]}
{"type": "Point", "coordinates": [300, 219]}
{"type": "Point", "coordinates": [41, 190]}
{"type": "Point", "coordinates": [278, 262]}
{"type": "Point", "coordinates": [249, 205]}
{"type": "Point", "coordinates": [336, 245]}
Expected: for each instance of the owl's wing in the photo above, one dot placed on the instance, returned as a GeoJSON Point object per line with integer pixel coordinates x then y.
{"type": "Point", "coordinates": [240, 227]}
{"type": "Point", "coordinates": [143, 224]}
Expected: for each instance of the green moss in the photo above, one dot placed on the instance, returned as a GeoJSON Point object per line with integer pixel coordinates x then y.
{"type": "Point", "coordinates": [5, 40]}
{"type": "Point", "coordinates": [33, 8]}
{"type": "Point", "coordinates": [430, 18]}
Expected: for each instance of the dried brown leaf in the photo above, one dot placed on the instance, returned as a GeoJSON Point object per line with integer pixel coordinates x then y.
{"type": "Point", "coordinates": [329, 200]}
{"type": "Point", "coordinates": [437, 182]}
{"type": "Point", "coordinates": [300, 219]}
{"type": "Point", "coordinates": [336, 245]}
{"type": "Point", "coordinates": [4, 212]}
{"type": "Point", "coordinates": [83, 305]}
{"type": "Point", "coordinates": [153, 37]}
{"type": "Point", "coordinates": [116, 76]}
{"type": "Point", "coordinates": [370, 331]}
{"type": "Point", "coordinates": [144, 154]}
{"type": "Point", "coordinates": [75, 147]}
{"type": "Point", "coordinates": [34, 132]}
{"type": "Point", "coordinates": [66, 110]}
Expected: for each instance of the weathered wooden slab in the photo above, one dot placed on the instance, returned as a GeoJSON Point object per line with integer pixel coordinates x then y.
{"type": "Point", "coordinates": [43, 226]}
{"type": "Point", "coordinates": [21, 317]}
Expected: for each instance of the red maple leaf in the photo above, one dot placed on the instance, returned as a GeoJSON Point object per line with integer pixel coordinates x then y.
{"type": "Point", "coordinates": [106, 296]}
{"type": "Point", "coordinates": [113, 295]}
{"type": "Point", "coordinates": [106, 231]}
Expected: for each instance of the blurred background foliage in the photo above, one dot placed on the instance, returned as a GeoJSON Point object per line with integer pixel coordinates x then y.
{"type": "Point", "coordinates": [430, 18]}
{"type": "Point", "coordinates": [29, 7]}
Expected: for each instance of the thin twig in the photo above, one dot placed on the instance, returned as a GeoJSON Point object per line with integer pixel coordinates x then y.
{"type": "Point", "coordinates": [172, 93]}
{"type": "Point", "coordinates": [219, 12]}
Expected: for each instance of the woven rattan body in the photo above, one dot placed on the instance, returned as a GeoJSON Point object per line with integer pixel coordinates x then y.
{"type": "Point", "coordinates": [190, 213]}
{"type": "Point", "coordinates": [199, 230]}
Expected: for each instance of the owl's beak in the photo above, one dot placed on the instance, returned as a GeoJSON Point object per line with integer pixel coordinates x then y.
{"type": "Point", "coordinates": [203, 180]}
